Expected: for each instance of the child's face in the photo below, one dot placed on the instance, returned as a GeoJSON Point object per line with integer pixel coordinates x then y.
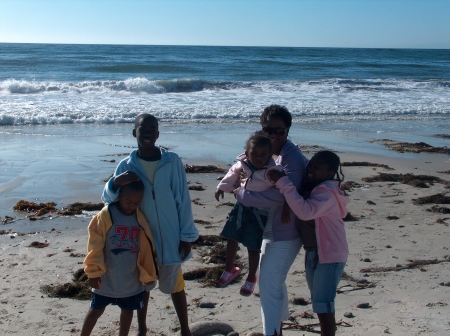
{"type": "Point", "coordinates": [317, 172]}
{"type": "Point", "coordinates": [146, 133]}
{"type": "Point", "coordinates": [129, 201]}
{"type": "Point", "coordinates": [258, 155]}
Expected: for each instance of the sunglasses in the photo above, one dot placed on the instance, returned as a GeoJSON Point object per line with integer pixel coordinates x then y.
{"type": "Point", "coordinates": [274, 131]}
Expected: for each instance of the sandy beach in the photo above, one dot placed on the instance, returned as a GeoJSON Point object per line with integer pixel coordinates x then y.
{"type": "Point", "coordinates": [397, 279]}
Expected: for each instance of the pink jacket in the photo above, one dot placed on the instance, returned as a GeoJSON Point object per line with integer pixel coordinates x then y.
{"type": "Point", "coordinates": [327, 206]}
{"type": "Point", "coordinates": [255, 181]}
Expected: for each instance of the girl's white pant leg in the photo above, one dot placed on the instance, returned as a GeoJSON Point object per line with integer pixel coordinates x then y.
{"type": "Point", "coordinates": [276, 260]}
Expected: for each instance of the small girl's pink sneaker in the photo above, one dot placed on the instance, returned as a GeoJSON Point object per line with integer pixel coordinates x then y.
{"type": "Point", "coordinates": [248, 288]}
{"type": "Point", "coordinates": [227, 277]}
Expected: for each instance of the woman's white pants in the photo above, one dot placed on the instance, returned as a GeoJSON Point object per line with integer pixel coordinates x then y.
{"type": "Point", "coordinates": [276, 260]}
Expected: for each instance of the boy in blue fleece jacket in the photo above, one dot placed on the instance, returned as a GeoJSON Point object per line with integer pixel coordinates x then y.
{"type": "Point", "coordinates": [167, 207]}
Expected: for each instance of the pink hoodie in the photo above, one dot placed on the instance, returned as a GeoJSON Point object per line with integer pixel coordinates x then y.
{"type": "Point", "coordinates": [255, 181]}
{"type": "Point", "coordinates": [327, 206]}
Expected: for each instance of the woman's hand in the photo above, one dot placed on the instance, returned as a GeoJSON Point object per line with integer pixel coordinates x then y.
{"type": "Point", "coordinates": [275, 175]}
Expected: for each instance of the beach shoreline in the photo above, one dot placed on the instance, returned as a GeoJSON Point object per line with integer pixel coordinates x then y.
{"type": "Point", "coordinates": [389, 232]}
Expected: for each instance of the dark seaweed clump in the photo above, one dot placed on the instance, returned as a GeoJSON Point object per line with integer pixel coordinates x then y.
{"type": "Point", "coordinates": [50, 207]}
{"type": "Point", "coordinates": [438, 209]}
{"type": "Point", "coordinates": [197, 187]}
{"type": "Point", "coordinates": [78, 289]}
{"type": "Point", "coordinates": [212, 250]}
{"type": "Point", "coordinates": [436, 199]}
{"type": "Point", "coordinates": [78, 207]}
{"type": "Point", "coordinates": [208, 240]}
{"type": "Point", "coordinates": [32, 207]}
{"type": "Point", "coordinates": [203, 169]}
{"type": "Point", "coordinates": [419, 181]}
{"type": "Point", "coordinates": [37, 244]}
{"type": "Point", "coordinates": [417, 147]}
{"type": "Point", "coordinates": [350, 185]}
{"type": "Point", "coordinates": [364, 164]}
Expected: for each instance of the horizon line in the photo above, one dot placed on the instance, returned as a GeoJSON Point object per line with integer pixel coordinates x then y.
{"type": "Point", "coordinates": [232, 46]}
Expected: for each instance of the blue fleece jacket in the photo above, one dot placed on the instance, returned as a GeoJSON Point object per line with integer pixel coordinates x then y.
{"type": "Point", "coordinates": [166, 204]}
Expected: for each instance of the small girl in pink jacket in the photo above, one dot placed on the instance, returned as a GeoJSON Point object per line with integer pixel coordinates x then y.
{"type": "Point", "coordinates": [246, 225]}
{"type": "Point", "coordinates": [321, 208]}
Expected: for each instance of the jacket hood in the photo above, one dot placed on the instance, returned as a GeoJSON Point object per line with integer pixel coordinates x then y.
{"type": "Point", "coordinates": [342, 199]}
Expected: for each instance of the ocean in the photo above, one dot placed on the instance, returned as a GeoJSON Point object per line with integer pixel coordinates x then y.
{"type": "Point", "coordinates": [67, 111]}
{"type": "Point", "coordinates": [74, 90]}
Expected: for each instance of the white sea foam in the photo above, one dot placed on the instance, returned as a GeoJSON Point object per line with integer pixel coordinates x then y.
{"type": "Point", "coordinates": [30, 102]}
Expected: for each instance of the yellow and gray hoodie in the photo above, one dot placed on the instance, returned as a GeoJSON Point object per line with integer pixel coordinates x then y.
{"type": "Point", "coordinates": [95, 259]}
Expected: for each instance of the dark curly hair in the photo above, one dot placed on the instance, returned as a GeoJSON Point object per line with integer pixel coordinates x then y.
{"type": "Point", "coordinates": [258, 139]}
{"type": "Point", "coordinates": [333, 162]}
{"type": "Point", "coordinates": [276, 111]}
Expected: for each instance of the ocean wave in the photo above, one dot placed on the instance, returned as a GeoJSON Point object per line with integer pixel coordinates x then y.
{"type": "Point", "coordinates": [302, 115]}
{"type": "Point", "coordinates": [141, 85]}
{"type": "Point", "coordinates": [130, 85]}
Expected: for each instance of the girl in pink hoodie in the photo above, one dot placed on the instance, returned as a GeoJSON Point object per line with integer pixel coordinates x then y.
{"type": "Point", "coordinates": [321, 208]}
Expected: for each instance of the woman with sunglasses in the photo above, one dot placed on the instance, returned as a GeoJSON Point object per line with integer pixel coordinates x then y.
{"type": "Point", "coordinates": [281, 242]}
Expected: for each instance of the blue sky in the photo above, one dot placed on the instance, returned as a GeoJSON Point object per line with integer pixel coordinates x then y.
{"type": "Point", "coordinates": [296, 23]}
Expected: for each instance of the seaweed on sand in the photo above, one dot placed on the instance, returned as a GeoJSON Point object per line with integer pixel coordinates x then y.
{"type": "Point", "coordinates": [78, 289]}
{"type": "Point", "coordinates": [417, 147]}
{"type": "Point", "coordinates": [197, 187]}
{"type": "Point", "coordinates": [436, 199]}
{"type": "Point", "coordinates": [350, 185]}
{"type": "Point", "coordinates": [7, 220]}
{"type": "Point", "coordinates": [208, 276]}
{"type": "Point", "coordinates": [37, 244]}
{"type": "Point", "coordinates": [50, 207]}
{"type": "Point", "coordinates": [203, 169]}
{"type": "Point", "coordinates": [212, 250]}
{"type": "Point", "coordinates": [208, 240]}
{"type": "Point", "coordinates": [215, 254]}
{"type": "Point", "coordinates": [78, 207]}
{"type": "Point", "coordinates": [201, 221]}
{"type": "Point", "coordinates": [412, 264]}
{"type": "Point", "coordinates": [32, 207]}
{"type": "Point", "coordinates": [364, 164]}
{"type": "Point", "coordinates": [438, 209]}
{"type": "Point", "coordinates": [419, 181]}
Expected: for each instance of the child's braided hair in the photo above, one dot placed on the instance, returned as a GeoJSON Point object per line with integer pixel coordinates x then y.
{"type": "Point", "coordinates": [333, 162]}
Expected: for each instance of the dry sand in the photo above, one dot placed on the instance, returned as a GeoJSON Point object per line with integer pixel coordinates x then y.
{"type": "Point", "coordinates": [390, 233]}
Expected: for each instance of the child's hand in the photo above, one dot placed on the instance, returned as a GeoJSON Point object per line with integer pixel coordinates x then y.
{"type": "Point", "coordinates": [275, 175]}
{"type": "Point", "coordinates": [242, 176]}
{"type": "Point", "coordinates": [218, 193]}
{"type": "Point", "coordinates": [149, 283]}
{"type": "Point", "coordinates": [95, 282]}
{"type": "Point", "coordinates": [184, 249]}
{"type": "Point", "coordinates": [286, 214]}
{"type": "Point", "coordinates": [235, 191]}
{"type": "Point", "coordinates": [125, 178]}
